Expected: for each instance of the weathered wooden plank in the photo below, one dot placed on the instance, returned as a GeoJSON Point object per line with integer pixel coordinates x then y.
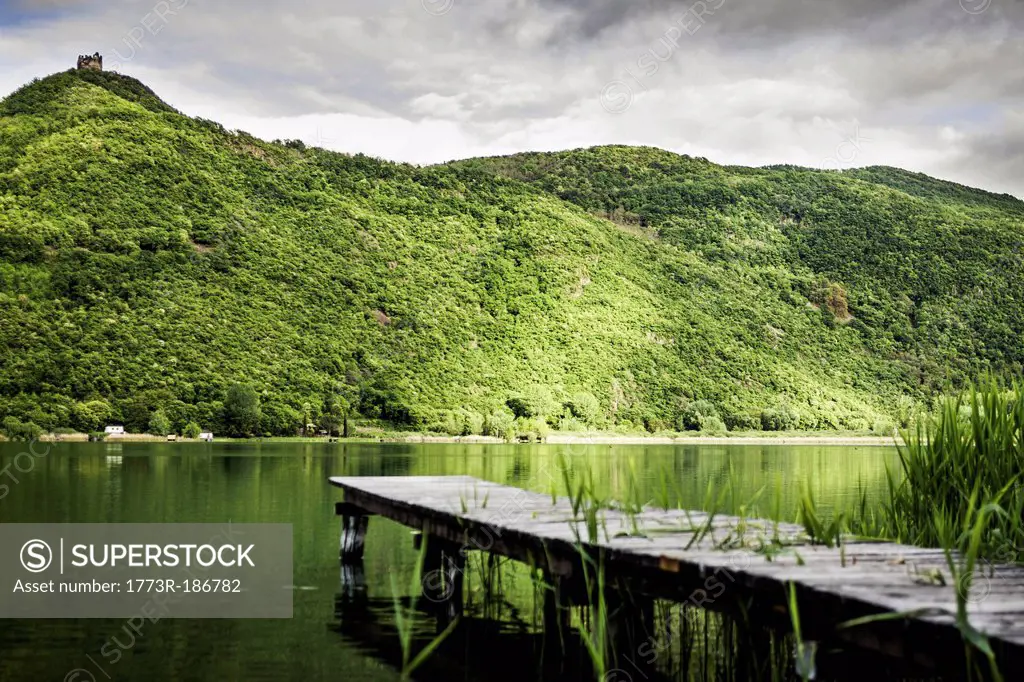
{"type": "Point", "coordinates": [676, 554]}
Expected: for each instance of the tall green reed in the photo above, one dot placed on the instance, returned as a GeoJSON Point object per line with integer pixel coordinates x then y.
{"type": "Point", "coordinates": [968, 458]}
{"type": "Point", "coordinates": [960, 490]}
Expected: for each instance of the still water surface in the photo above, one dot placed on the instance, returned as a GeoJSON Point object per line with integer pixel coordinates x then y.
{"type": "Point", "coordinates": [286, 483]}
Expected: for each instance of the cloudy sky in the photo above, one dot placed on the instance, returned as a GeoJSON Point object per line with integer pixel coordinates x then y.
{"type": "Point", "coordinates": [935, 86]}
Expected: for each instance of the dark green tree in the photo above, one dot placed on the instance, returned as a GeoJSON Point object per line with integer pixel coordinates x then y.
{"type": "Point", "coordinates": [92, 415]}
{"type": "Point", "coordinates": [159, 424]}
{"type": "Point", "coordinates": [242, 410]}
{"type": "Point", "coordinates": [191, 430]}
{"type": "Point", "coordinates": [333, 418]}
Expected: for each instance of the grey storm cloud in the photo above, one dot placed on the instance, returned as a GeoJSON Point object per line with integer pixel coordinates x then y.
{"type": "Point", "coordinates": [779, 20]}
{"type": "Point", "coordinates": [590, 18]}
{"type": "Point", "coordinates": [47, 4]}
{"type": "Point", "coordinates": [933, 84]}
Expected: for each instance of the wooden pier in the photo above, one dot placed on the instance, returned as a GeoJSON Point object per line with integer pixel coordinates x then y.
{"type": "Point", "coordinates": [744, 568]}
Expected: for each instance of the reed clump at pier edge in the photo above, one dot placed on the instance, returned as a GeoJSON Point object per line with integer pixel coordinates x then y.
{"type": "Point", "coordinates": [957, 470]}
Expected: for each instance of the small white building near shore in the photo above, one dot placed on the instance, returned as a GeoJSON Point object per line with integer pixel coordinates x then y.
{"type": "Point", "coordinates": [114, 430]}
{"type": "Point", "coordinates": [206, 435]}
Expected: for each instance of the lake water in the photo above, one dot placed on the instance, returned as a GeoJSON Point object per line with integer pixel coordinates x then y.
{"type": "Point", "coordinates": [286, 483]}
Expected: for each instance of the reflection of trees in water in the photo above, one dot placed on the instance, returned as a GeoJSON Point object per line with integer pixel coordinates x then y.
{"type": "Point", "coordinates": [186, 477]}
{"type": "Point", "coordinates": [395, 465]}
{"type": "Point", "coordinates": [519, 471]}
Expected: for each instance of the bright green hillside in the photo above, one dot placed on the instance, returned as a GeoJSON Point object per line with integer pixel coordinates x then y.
{"type": "Point", "coordinates": [148, 261]}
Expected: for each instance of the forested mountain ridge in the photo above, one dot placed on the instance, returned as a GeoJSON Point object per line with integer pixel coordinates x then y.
{"type": "Point", "coordinates": [930, 270]}
{"type": "Point", "coordinates": [149, 261]}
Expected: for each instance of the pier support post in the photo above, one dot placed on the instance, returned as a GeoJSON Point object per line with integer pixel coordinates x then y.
{"type": "Point", "coordinates": [753, 642]}
{"type": "Point", "coordinates": [630, 618]}
{"type": "Point", "coordinates": [442, 578]}
{"type": "Point", "coordinates": [557, 620]}
{"type": "Point", "coordinates": [354, 522]}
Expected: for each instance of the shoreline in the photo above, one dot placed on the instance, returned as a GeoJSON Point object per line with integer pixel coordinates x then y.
{"type": "Point", "coordinates": [741, 438]}
{"type": "Point", "coordinates": [785, 438]}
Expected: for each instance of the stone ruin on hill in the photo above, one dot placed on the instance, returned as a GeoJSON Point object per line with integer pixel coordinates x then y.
{"type": "Point", "coordinates": [93, 62]}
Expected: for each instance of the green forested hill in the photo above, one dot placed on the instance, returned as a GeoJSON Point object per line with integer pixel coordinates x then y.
{"type": "Point", "coordinates": [149, 261]}
{"type": "Point", "coordinates": [930, 270]}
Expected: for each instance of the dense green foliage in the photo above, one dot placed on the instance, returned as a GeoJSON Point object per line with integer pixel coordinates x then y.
{"type": "Point", "coordinates": [149, 262]}
{"type": "Point", "coordinates": [930, 271]}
